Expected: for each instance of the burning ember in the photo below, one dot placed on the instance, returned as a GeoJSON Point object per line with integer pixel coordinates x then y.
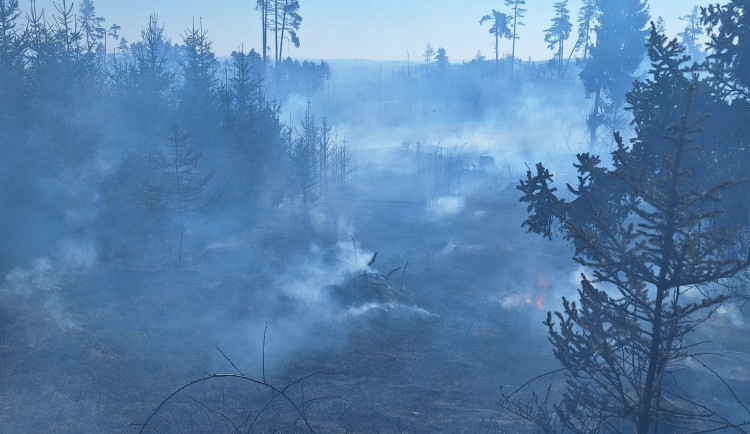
{"type": "Point", "coordinates": [543, 287]}
{"type": "Point", "coordinates": [541, 293]}
{"type": "Point", "coordinates": [539, 302]}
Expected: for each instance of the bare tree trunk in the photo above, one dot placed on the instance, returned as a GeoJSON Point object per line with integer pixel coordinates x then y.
{"type": "Point", "coordinates": [283, 30]}
{"type": "Point", "coordinates": [305, 209]}
{"type": "Point", "coordinates": [667, 252]}
{"type": "Point", "coordinates": [181, 215]}
{"type": "Point", "coordinates": [276, 31]}
{"type": "Point", "coordinates": [560, 60]}
{"type": "Point", "coordinates": [595, 117]}
{"type": "Point", "coordinates": [179, 246]}
{"type": "Point", "coordinates": [264, 25]}
{"type": "Point", "coordinates": [497, 57]}
{"type": "Point", "coordinates": [513, 47]}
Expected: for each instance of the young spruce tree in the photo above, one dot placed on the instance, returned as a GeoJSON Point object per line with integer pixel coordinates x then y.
{"type": "Point", "coordinates": [180, 191]}
{"type": "Point", "coordinates": [648, 235]}
{"type": "Point", "coordinates": [305, 164]}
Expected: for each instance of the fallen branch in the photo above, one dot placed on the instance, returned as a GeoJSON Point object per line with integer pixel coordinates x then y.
{"type": "Point", "coordinates": [401, 286]}
{"type": "Point", "coordinates": [278, 392]}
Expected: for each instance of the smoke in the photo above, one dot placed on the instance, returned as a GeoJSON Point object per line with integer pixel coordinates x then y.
{"type": "Point", "coordinates": [77, 254]}
{"type": "Point", "coordinates": [318, 269]}
{"type": "Point", "coordinates": [39, 288]}
{"type": "Point", "coordinates": [732, 313]}
{"type": "Point", "coordinates": [513, 301]}
{"type": "Point", "coordinates": [314, 303]}
{"type": "Point", "coordinates": [294, 108]}
{"type": "Point", "coordinates": [59, 313]}
{"type": "Point", "coordinates": [444, 207]}
{"type": "Point", "coordinates": [39, 273]}
{"type": "Point", "coordinates": [518, 125]}
{"type": "Point", "coordinates": [275, 293]}
{"type": "Point", "coordinates": [395, 310]}
{"type": "Point", "coordinates": [71, 255]}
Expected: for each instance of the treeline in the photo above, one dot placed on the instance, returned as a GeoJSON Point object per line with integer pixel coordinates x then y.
{"type": "Point", "coordinates": [605, 55]}
{"type": "Point", "coordinates": [130, 153]}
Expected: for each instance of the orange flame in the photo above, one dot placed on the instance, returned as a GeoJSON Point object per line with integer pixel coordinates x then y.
{"type": "Point", "coordinates": [540, 302]}
{"type": "Point", "coordinates": [543, 285]}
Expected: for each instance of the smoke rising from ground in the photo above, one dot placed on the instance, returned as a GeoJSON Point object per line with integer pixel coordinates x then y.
{"type": "Point", "coordinates": [146, 229]}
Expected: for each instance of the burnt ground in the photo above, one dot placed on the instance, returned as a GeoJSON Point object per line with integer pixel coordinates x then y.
{"type": "Point", "coordinates": [425, 350]}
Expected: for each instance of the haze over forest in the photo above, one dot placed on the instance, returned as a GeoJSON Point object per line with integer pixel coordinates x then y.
{"type": "Point", "coordinates": [538, 224]}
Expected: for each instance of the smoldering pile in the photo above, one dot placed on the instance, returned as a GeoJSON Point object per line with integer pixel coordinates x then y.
{"type": "Point", "coordinates": [343, 283]}
{"type": "Point", "coordinates": [368, 293]}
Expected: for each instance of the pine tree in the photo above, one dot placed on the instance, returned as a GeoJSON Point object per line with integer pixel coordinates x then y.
{"type": "Point", "coordinates": [558, 33]}
{"type": "Point", "coordinates": [620, 48]}
{"type": "Point", "coordinates": [12, 61]}
{"type": "Point", "coordinates": [344, 166]}
{"type": "Point", "coordinates": [498, 30]}
{"type": "Point", "coordinates": [305, 162]}
{"type": "Point", "coordinates": [180, 190]}
{"type": "Point", "coordinates": [325, 149]}
{"type": "Point", "coordinates": [291, 21]}
{"type": "Point", "coordinates": [649, 233]}
{"type": "Point", "coordinates": [729, 47]}
{"type": "Point", "coordinates": [618, 345]}
{"type": "Point", "coordinates": [429, 54]}
{"type": "Point", "coordinates": [441, 59]}
{"type": "Point", "coordinates": [245, 81]}
{"type": "Point", "coordinates": [197, 109]}
{"type": "Point", "coordinates": [517, 12]}
{"type": "Point", "coordinates": [92, 29]}
{"type": "Point", "coordinates": [587, 18]}
{"type": "Point", "coordinates": [658, 100]}
{"type": "Point", "coordinates": [148, 79]}
{"type": "Point", "coordinates": [67, 32]}
{"type": "Point", "coordinates": [727, 63]}
{"type": "Point", "coordinates": [692, 32]}
{"type": "Point", "coordinates": [263, 6]}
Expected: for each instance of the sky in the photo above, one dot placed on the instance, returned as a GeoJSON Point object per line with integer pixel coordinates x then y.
{"type": "Point", "coordinates": [358, 29]}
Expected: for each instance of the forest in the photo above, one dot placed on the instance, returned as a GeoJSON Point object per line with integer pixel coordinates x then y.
{"type": "Point", "coordinates": [195, 241]}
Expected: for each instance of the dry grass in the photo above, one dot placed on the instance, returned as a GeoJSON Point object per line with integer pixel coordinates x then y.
{"type": "Point", "coordinates": [102, 351]}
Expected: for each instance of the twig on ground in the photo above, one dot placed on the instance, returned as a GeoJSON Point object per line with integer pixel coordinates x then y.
{"type": "Point", "coordinates": [391, 272]}
{"type": "Point", "coordinates": [354, 243]}
{"type": "Point", "coordinates": [232, 363]}
{"type": "Point", "coordinates": [277, 392]}
{"type": "Point", "coordinates": [263, 353]}
{"type": "Point", "coordinates": [217, 412]}
{"type": "Point", "coordinates": [401, 286]}
{"type": "Point", "coordinates": [553, 372]}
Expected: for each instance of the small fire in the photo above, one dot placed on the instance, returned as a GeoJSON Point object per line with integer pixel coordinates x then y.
{"type": "Point", "coordinates": [540, 302]}
{"type": "Point", "coordinates": [543, 285]}
{"type": "Point", "coordinates": [538, 297]}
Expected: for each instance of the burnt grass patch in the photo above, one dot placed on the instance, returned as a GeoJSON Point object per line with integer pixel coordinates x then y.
{"type": "Point", "coordinates": [424, 348]}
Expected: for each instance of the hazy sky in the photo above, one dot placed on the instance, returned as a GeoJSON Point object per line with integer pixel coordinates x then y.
{"type": "Point", "coordinates": [354, 29]}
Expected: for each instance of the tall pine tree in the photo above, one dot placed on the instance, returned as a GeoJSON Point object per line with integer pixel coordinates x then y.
{"type": "Point", "coordinates": [620, 47]}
